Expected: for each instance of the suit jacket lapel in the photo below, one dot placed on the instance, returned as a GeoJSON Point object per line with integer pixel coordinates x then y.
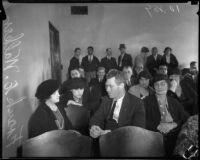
{"type": "Point", "coordinates": [123, 110]}
{"type": "Point", "coordinates": [156, 111]}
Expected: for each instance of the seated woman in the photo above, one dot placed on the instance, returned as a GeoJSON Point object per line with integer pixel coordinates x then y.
{"type": "Point", "coordinates": [142, 89]}
{"type": "Point", "coordinates": [182, 91]}
{"type": "Point", "coordinates": [74, 92]}
{"type": "Point", "coordinates": [76, 106]}
{"type": "Point", "coordinates": [49, 115]}
{"type": "Point", "coordinates": [164, 114]}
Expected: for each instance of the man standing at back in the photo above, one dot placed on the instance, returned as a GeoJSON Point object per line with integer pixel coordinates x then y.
{"type": "Point", "coordinates": [124, 59]}
{"type": "Point", "coordinates": [119, 109]}
{"type": "Point", "coordinates": [153, 61]}
{"type": "Point", "coordinates": [75, 61]}
{"type": "Point", "coordinates": [90, 63]}
{"type": "Point", "coordinates": [108, 62]}
{"type": "Point", "coordinates": [142, 57]}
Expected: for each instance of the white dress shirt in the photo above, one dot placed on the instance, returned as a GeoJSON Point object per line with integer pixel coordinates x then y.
{"type": "Point", "coordinates": [90, 58]}
{"type": "Point", "coordinates": [118, 108]}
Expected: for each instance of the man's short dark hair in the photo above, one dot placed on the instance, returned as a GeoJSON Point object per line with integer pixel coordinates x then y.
{"type": "Point", "coordinates": [76, 49]}
{"type": "Point", "coordinates": [90, 47]}
{"type": "Point", "coordinates": [119, 76]}
{"type": "Point", "coordinates": [127, 66]}
{"type": "Point", "coordinates": [107, 49]}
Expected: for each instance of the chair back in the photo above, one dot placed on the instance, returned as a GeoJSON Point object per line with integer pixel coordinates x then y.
{"type": "Point", "coordinates": [131, 141]}
{"type": "Point", "coordinates": [79, 118]}
{"type": "Point", "coordinates": [58, 143]}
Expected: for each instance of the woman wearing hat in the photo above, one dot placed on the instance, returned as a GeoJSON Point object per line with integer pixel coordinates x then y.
{"type": "Point", "coordinates": [77, 106]}
{"type": "Point", "coordinates": [142, 89]}
{"type": "Point", "coordinates": [76, 92]}
{"type": "Point", "coordinates": [49, 115]}
{"type": "Point", "coordinates": [164, 114]}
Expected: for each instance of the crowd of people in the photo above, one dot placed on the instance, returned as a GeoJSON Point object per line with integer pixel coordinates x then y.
{"type": "Point", "coordinates": [151, 93]}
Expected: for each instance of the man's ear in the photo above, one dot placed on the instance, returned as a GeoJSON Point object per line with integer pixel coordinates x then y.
{"type": "Point", "coordinates": [122, 85]}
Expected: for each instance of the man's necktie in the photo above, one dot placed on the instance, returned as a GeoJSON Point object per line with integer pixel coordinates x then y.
{"type": "Point", "coordinates": [112, 110]}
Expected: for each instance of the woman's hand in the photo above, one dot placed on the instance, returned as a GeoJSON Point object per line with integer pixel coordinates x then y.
{"type": "Point", "coordinates": [73, 102]}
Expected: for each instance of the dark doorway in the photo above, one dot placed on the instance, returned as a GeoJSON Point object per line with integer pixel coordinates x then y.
{"type": "Point", "coordinates": [56, 66]}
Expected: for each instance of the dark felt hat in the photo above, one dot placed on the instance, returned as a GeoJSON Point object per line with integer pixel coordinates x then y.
{"type": "Point", "coordinates": [145, 74]}
{"type": "Point", "coordinates": [122, 46]}
{"type": "Point", "coordinates": [75, 83]}
{"type": "Point", "coordinates": [46, 89]}
{"type": "Point", "coordinates": [160, 77]}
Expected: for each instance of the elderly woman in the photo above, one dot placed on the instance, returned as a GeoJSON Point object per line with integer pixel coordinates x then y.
{"type": "Point", "coordinates": [164, 114]}
{"type": "Point", "coordinates": [49, 115]}
{"type": "Point", "coordinates": [142, 89]}
{"type": "Point", "coordinates": [182, 91]}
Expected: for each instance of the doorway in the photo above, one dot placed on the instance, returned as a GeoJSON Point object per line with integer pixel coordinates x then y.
{"type": "Point", "coordinates": [56, 67]}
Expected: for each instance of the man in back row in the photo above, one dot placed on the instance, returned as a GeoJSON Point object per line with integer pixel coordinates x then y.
{"type": "Point", "coordinates": [118, 109]}
{"type": "Point", "coordinates": [109, 62]}
{"type": "Point", "coordinates": [90, 63]}
{"type": "Point", "coordinates": [124, 59]}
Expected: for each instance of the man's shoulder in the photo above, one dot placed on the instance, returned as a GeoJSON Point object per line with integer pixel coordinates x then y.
{"type": "Point", "coordinates": [106, 98]}
{"type": "Point", "coordinates": [74, 59]}
{"type": "Point", "coordinates": [85, 57]}
{"type": "Point", "coordinates": [133, 98]}
{"type": "Point", "coordinates": [127, 54]}
{"type": "Point", "coordinates": [135, 87]}
{"type": "Point", "coordinates": [95, 57]}
{"type": "Point", "coordinates": [150, 57]}
{"type": "Point", "coordinates": [103, 59]}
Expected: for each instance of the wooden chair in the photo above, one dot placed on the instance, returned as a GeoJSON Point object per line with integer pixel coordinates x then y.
{"type": "Point", "coordinates": [131, 141]}
{"type": "Point", "coordinates": [58, 143]}
{"type": "Point", "coordinates": [79, 117]}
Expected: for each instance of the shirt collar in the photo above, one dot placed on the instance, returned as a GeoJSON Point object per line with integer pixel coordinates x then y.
{"type": "Point", "coordinates": [108, 57]}
{"type": "Point", "coordinates": [120, 99]}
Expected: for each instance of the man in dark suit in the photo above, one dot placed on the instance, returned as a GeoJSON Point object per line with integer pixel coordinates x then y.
{"type": "Point", "coordinates": [124, 58]}
{"type": "Point", "coordinates": [119, 109]}
{"type": "Point", "coordinates": [97, 89]}
{"type": "Point", "coordinates": [90, 64]}
{"type": "Point", "coordinates": [75, 60]}
{"type": "Point", "coordinates": [109, 62]}
{"type": "Point", "coordinates": [153, 61]}
{"type": "Point", "coordinates": [129, 77]}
